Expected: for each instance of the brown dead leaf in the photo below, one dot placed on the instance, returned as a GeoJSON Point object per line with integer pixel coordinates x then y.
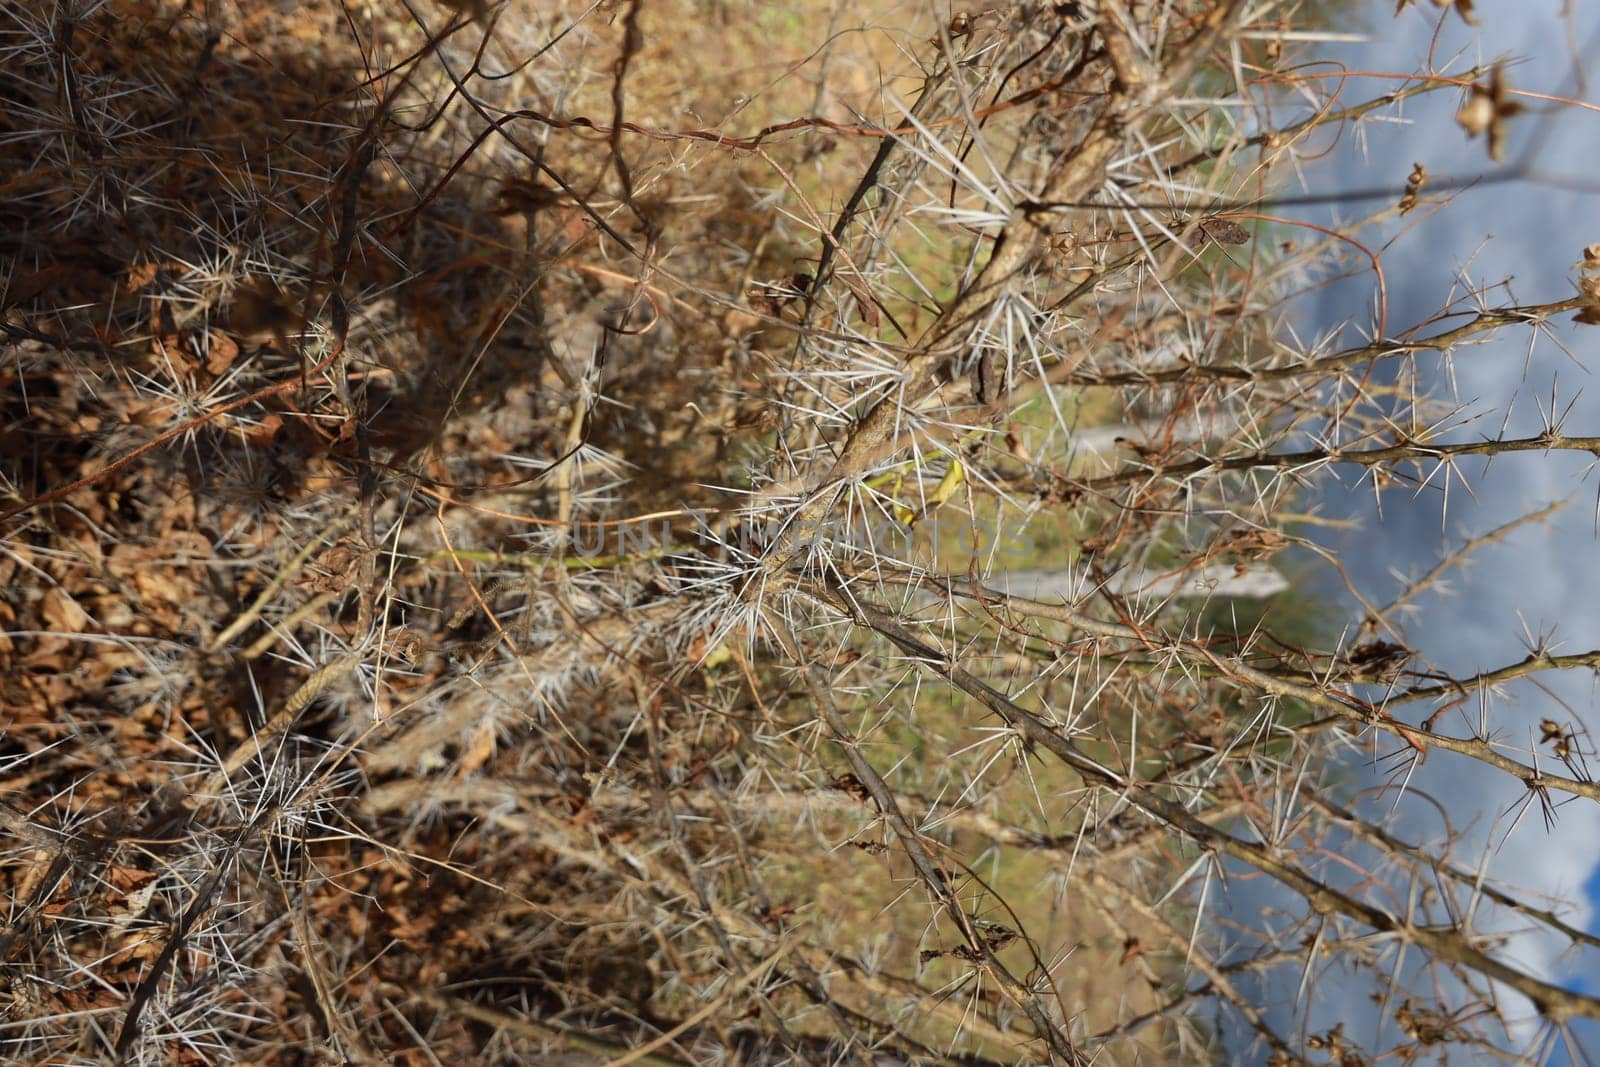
{"type": "Point", "coordinates": [139, 946]}
{"type": "Point", "coordinates": [521, 196]}
{"type": "Point", "coordinates": [26, 286]}
{"type": "Point", "coordinates": [476, 10]}
{"type": "Point", "coordinates": [62, 613]}
{"type": "Point", "coordinates": [127, 879]}
{"type": "Point", "coordinates": [221, 351]}
{"type": "Point", "coordinates": [1414, 738]}
{"type": "Point", "coordinates": [140, 276]}
{"type": "Point", "coordinates": [864, 300]}
{"type": "Point", "coordinates": [260, 311]}
{"type": "Point", "coordinates": [157, 589]}
{"type": "Point", "coordinates": [738, 322]}
{"type": "Point", "coordinates": [335, 570]}
{"type": "Point", "coordinates": [1016, 445]}
{"type": "Point", "coordinates": [76, 281]}
{"type": "Point", "coordinates": [479, 750]}
{"type": "Point", "coordinates": [1224, 231]}
{"type": "Point", "coordinates": [261, 433]}
{"type": "Point", "coordinates": [850, 784]}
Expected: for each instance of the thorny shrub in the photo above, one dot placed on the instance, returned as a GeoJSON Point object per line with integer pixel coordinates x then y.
{"type": "Point", "coordinates": [349, 717]}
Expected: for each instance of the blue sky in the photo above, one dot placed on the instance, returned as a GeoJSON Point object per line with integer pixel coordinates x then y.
{"type": "Point", "coordinates": [1532, 234]}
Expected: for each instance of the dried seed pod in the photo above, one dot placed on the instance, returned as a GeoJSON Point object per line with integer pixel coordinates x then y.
{"type": "Point", "coordinates": [1488, 106]}
{"type": "Point", "coordinates": [1414, 183]}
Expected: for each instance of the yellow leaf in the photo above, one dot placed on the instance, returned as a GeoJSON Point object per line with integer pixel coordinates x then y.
{"type": "Point", "coordinates": [953, 477]}
{"type": "Point", "coordinates": [948, 484]}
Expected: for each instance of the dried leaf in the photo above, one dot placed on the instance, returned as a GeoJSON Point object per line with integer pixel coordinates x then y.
{"type": "Point", "coordinates": [26, 286]}
{"type": "Point", "coordinates": [526, 197]}
{"type": "Point", "coordinates": [1015, 445]}
{"type": "Point", "coordinates": [62, 613]}
{"type": "Point", "coordinates": [954, 475]}
{"type": "Point", "coordinates": [1414, 738]}
{"type": "Point", "coordinates": [865, 300]}
{"type": "Point", "coordinates": [140, 276]}
{"type": "Point", "coordinates": [476, 10]}
{"type": "Point", "coordinates": [335, 570]}
{"type": "Point", "coordinates": [262, 433]}
{"type": "Point", "coordinates": [995, 935]}
{"type": "Point", "coordinates": [479, 750]}
{"type": "Point", "coordinates": [1224, 231]}
{"type": "Point", "coordinates": [259, 311]}
{"type": "Point", "coordinates": [221, 351]}
{"type": "Point", "coordinates": [850, 785]}
{"type": "Point", "coordinates": [738, 323]}
{"type": "Point", "coordinates": [126, 879]}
